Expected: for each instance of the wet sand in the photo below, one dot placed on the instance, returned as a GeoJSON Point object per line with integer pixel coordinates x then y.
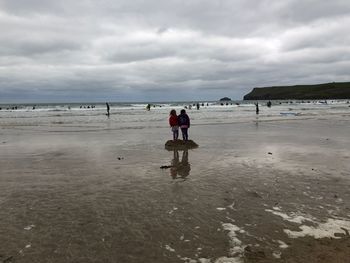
{"type": "Point", "coordinates": [274, 191]}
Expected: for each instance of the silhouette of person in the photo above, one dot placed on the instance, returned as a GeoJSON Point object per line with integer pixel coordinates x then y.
{"type": "Point", "coordinates": [256, 108]}
{"type": "Point", "coordinates": [184, 166]}
{"type": "Point", "coordinates": [180, 169]}
{"type": "Point", "coordinates": [107, 109]}
{"type": "Point", "coordinates": [175, 164]}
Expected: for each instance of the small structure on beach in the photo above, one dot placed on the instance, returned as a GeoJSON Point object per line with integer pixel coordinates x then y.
{"type": "Point", "coordinates": [180, 145]}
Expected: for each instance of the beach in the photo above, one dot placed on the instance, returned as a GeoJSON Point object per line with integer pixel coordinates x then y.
{"type": "Point", "coordinates": [81, 187]}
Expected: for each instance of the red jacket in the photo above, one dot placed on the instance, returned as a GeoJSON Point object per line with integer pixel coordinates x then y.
{"type": "Point", "coordinates": [173, 121]}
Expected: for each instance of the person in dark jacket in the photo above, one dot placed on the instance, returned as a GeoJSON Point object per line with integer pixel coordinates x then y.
{"type": "Point", "coordinates": [184, 123]}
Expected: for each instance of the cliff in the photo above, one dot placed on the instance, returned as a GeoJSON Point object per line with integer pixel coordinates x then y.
{"type": "Point", "coordinates": [334, 90]}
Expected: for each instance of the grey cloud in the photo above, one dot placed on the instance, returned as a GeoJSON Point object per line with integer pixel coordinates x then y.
{"type": "Point", "coordinates": [150, 49]}
{"type": "Point", "coordinates": [319, 34]}
{"type": "Point", "coordinates": [133, 54]}
{"type": "Point", "coordinates": [20, 7]}
{"type": "Point", "coordinates": [31, 48]}
{"type": "Point", "coordinates": [302, 12]}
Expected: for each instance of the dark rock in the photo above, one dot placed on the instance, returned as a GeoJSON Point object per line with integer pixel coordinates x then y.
{"type": "Point", "coordinates": [166, 166]}
{"type": "Point", "coordinates": [180, 145]}
{"type": "Point", "coordinates": [225, 99]}
{"type": "Point", "coordinates": [269, 153]}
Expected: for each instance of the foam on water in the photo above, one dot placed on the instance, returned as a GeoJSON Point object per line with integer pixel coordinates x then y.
{"type": "Point", "coordinates": [277, 254]}
{"type": "Point", "coordinates": [294, 218]}
{"type": "Point", "coordinates": [169, 248]}
{"type": "Point", "coordinates": [29, 227]}
{"type": "Point", "coordinates": [172, 210]}
{"type": "Point", "coordinates": [333, 228]}
{"type": "Point", "coordinates": [282, 244]}
{"type": "Point", "coordinates": [228, 260]}
{"type": "Point", "coordinates": [237, 248]}
{"type": "Point", "coordinates": [322, 230]}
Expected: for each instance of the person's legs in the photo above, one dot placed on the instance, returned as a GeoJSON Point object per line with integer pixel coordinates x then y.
{"type": "Point", "coordinates": [184, 133]}
{"type": "Point", "coordinates": [175, 134]}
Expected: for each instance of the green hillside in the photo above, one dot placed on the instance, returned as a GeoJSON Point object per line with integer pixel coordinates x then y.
{"type": "Point", "coordinates": [334, 90]}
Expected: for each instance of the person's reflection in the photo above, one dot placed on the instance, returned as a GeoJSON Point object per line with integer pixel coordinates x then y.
{"type": "Point", "coordinates": [174, 164]}
{"type": "Point", "coordinates": [180, 169]}
{"type": "Point", "coordinates": [257, 122]}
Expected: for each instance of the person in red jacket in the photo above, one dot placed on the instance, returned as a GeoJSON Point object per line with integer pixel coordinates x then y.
{"type": "Point", "coordinates": [173, 122]}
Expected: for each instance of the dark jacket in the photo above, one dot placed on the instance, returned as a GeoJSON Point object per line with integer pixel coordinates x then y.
{"type": "Point", "coordinates": [183, 119]}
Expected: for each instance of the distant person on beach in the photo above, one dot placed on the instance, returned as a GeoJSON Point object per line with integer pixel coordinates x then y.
{"type": "Point", "coordinates": [107, 108]}
{"type": "Point", "coordinates": [197, 105]}
{"type": "Point", "coordinates": [174, 124]}
{"type": "Point", "coordinates": [184, 123]}
{"type": "Point", "coordinates": [257, 108]}
{"type": "Point", "coordinates": [268, 104]}
{"type": "Point", "coordinates": [148, 107]}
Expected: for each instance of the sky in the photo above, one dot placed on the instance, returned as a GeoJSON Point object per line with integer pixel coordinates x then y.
{"type": "Point", "coordinates": [167, 50]}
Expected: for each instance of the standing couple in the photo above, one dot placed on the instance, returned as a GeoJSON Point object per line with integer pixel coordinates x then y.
{"type": "Point", "coordinates": [182, 121]}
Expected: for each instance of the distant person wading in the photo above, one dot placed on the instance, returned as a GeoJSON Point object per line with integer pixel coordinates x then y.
{"type": "Point", "coordinates": [107, 109]}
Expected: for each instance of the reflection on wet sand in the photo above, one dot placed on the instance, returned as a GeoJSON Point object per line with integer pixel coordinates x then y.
{"type": "Point", "coordinates": [180, 169]}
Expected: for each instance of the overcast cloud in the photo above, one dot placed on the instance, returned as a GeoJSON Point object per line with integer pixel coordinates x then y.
{"type": "Point", "coordinates": [155, 50]}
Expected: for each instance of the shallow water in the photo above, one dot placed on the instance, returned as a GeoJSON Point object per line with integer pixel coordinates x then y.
{"type": "Point", "coordinates": [128, 116]}
{"type": "Point", "coordinates": [94, 191]}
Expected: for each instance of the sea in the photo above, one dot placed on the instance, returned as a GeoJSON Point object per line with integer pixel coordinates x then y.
{"type": "Point", "coordinates": [136, 115]}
